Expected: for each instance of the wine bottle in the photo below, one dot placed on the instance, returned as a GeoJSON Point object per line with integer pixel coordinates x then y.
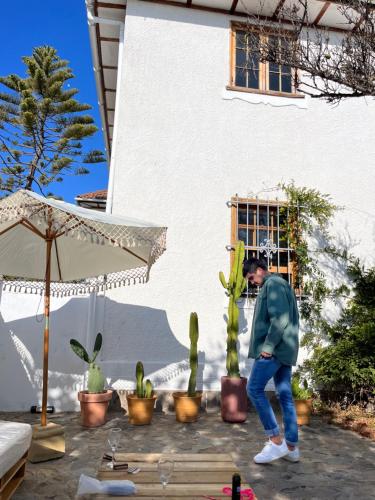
{"type": "Point", "coordinates": [236, 487]}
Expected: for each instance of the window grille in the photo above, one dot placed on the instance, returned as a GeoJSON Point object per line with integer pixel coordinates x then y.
{"type": "Point", "coordinates": [261, 226]}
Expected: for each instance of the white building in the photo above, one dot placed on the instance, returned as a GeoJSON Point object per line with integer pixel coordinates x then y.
{"type": "Point", "coordinates": [183, 143]}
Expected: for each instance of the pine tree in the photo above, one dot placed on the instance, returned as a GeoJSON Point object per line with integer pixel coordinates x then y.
{"type": "Point", "coordinates": [42, 125]}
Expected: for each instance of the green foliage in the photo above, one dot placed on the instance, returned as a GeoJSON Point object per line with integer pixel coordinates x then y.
{"type": "Point", "coordinates": [234, 287]}
{"type": "Point", "coordinates": [96, 380]}
{"type": "Point", "coordinates": [300, 391]}
{"type": "Point", "coordinates": [347, 364]}
{"type": "Point", "coordinates": [42, 125]}
{"type": "Point", "coordinates": [143, 390]}
{"type": "Point", "coordinates": [193, 335]}
{"type": "Point", "coordinates": [139, 375]}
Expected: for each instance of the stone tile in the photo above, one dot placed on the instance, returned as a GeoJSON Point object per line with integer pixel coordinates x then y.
{"type": "Point", "coordinates": [335, 464]}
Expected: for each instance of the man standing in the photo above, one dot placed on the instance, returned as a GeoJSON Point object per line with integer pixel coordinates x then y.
{"type": "Point", "coordinates": [274, 347]}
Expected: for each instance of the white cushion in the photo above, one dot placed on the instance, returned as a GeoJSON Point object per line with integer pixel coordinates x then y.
{"type": "Point", "coordinates": [15, 440]}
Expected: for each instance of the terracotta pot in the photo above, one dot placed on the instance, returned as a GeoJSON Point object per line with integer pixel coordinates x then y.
{"type": "Point", "coordinates": [233, 399]}
{"type": "Point", "coordinates": [303, 410]}
{"type": "Point", "coordinates": [140, 409]}
{"type": "Point", "coordinates": [187, 408]}
{"type": "Point", "coordinates": [94, 407]}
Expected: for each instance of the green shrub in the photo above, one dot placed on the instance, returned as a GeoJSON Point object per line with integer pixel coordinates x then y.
{"type": "Point", "coordinates": [345, 368]}
{"type": "Point", "coordinates": [300, 392]}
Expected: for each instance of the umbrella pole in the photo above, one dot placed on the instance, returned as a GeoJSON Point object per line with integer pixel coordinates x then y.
{"type": "Point", "coordinates": [46, 331]}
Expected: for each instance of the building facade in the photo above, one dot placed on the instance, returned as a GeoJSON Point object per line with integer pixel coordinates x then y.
{"type": "Point", "coordinates": [192, 149]}
{"type": "Point", "coordinates": [188, 141]}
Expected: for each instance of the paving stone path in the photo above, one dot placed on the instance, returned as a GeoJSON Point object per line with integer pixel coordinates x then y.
{"type": "Point", "coordinates": [336, 464]}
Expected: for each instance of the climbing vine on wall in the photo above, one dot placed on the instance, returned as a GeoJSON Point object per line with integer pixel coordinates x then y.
{"type": "Point", "coordinates": [309, 214]}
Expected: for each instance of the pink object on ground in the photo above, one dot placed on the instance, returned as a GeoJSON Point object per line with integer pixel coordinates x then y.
{"type": "Point", "coordinates": [247, 494]}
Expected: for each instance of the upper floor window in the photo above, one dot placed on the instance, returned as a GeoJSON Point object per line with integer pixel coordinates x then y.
{"type": "Point", "coordinates": [261, 226]}
{"type": "Point", "coordinates": [249, 73]}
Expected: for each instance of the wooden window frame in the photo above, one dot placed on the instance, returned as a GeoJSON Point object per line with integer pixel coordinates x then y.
{"type": "Point", "coordinates": [263, 67]}
{"type": "Point", "coordinates": [291, 268]}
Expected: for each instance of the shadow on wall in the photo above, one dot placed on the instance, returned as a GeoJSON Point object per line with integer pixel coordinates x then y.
{"type": "Point", "coordinates": [131, 333]}
{"type": "Point", "coordinates": [137, 333]}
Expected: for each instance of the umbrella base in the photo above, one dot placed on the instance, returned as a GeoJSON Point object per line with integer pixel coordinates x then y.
{"type": "Point", "coordinates": [48, 443]}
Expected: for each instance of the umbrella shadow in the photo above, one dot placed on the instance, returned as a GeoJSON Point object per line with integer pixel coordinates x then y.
{"type": "Point", "coordinates": [130, 334]}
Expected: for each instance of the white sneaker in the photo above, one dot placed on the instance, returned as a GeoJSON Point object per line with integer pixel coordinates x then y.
{"type": "Point", "coordinates": [293, 455]}
{"type": "Point", "coordinates": [271, 452]}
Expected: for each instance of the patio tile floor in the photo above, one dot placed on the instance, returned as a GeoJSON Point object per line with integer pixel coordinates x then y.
{"type": "Point", "coordinates": [336, 464]}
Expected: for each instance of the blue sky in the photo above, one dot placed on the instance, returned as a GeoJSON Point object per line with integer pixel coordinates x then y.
{"type": "Point", "coordinates": [26, 24]}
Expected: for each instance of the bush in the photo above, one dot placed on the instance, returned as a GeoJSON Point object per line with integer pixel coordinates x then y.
{"type": "Point", "coordinates": [346, 367]}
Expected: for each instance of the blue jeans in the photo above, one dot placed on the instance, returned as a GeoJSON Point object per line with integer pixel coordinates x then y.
{"type": "Point", "coordinates": [263, 370]}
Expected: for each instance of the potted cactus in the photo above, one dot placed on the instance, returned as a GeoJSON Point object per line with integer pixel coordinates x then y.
{"type": "Point", "coordinates": [95, 400]}
{"type": "Point", "coordinates": [302, 396]}
{"type": "Point", "coordinates": [141, 403]}
{"type": "Point", "coordinates": [233, 386]}
{"type": "Point", "coordinates": [187, 404]}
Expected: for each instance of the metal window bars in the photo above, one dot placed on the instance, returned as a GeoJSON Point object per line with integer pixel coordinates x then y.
{"type": "Point", "coordinates": [259, 224]}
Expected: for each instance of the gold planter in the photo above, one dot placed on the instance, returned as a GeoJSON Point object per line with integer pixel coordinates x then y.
{"type": "Point", "coordinates": [140, 409]}
{"type": "Point", "coordinates": [186, 407]}
{"type": "Point", "coordinates": [303, 410]}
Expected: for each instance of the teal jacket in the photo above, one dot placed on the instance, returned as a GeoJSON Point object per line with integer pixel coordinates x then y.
{"type": "Point", "coordinates": [276, 321]}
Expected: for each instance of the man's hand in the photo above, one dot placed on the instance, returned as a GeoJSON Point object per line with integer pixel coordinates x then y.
{"type": "Point", "coordinates": [265, 354]}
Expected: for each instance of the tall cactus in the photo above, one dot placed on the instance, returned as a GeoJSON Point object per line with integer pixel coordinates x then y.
{"type": "Point", "coordinates": [234, 287]}
{"type": "Point", "coordinates": [96, 380]}
{"type": "Point", "coordinates": [193, 334]}
{"type": "Point", "coordinates": [143, 390]}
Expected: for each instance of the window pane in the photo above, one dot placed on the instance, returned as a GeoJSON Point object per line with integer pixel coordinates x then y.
{"type": "Point", "coordinates": [240, 77]}
{"type": "Point", "coordinates": [283, 259]}
{"type": "Point", "coordinates": [274, 238]}
{"type": "Point", "coordinates": [240, 39]}
{"type": "Point", "coordinates": [273, 217]}
{"type": "Point", "coordinates": [263, 235]}
{"type": "Point", "coordinates": [241, 57]}
{"type": "Point", "coordinates": [253, 79]}
{"type": "Point", "coordinates": [286, 83]}
{"type": "Point", "coordinates": [252, 215]}
{"type": "Point", "coordinates": [274, 81]}
{"type": "Point", "coordinates": [263, 216]}
{"type": "Point", "coordinates": [275, 68]}
{"type": "Point", "coordinates": [242, 219]}
{"type": "Point", "coordinates": [285, 70]}
{"type": "Point", "coordinates": [242, 235]}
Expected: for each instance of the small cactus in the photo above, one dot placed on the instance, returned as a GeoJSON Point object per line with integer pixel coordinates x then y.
{"type": "Point", "coordinates": [234, 287]}
{"type": "Point", "coordinates": [96, 380]}
{"type": "Point", "coordinates": [148, 389]}
{"type": "Point", "coordinates": [193, 357]}
{"type": "Point", "coordinates": [143, 390]}
{"type": "Point", "coordinates": [139, 374]}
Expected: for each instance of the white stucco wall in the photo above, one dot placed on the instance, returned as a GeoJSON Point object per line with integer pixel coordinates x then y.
{"type": "Point", "coordinates": [21, 350]}
{"type": "Point", "coordinates": [184, 149]}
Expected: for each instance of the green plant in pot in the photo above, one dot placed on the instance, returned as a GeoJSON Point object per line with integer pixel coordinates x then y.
{"type": "Point", "coordinates": [141, 403]}
{"type": "Point", "coordinates": [187, 404]}
{"type": "Point", "coordinates": [233, 386]}
{"type": "Point", "coordinates": [95, 400]}
{"type": "Point", "coordinates": [302, 396]}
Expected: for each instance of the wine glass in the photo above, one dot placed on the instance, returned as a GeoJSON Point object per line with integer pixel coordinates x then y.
{"type": "Point", "coordinates": [165, 468]}
{"type": "Point", "coordinates": [113, 441]}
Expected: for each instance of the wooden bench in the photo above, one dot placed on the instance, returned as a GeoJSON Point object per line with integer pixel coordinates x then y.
{"type": "Point", "coordinates": [195, 476]}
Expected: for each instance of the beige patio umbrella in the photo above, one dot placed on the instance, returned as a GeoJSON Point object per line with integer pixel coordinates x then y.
{"type": "Point", "coordinates": [59, 249]}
